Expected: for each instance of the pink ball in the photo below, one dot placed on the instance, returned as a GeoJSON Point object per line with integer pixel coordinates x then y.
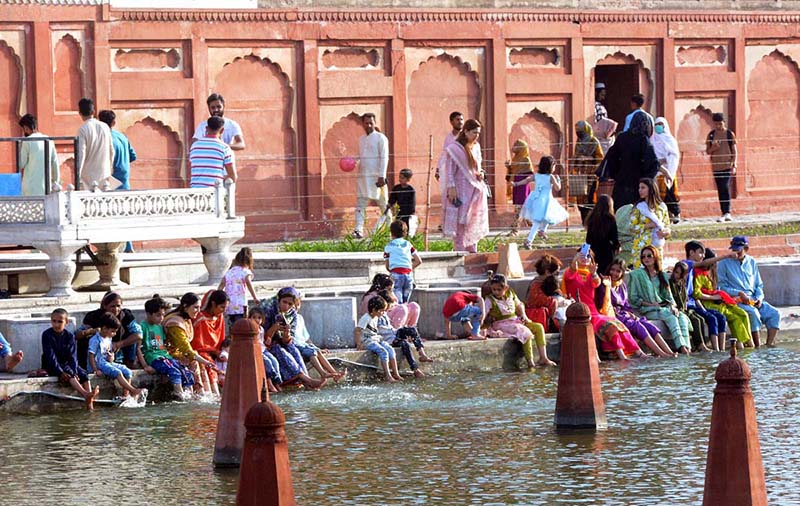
{"type": "Point", "coordinates": [347, 164]}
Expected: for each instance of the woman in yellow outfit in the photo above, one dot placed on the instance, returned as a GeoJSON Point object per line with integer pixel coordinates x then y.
{"type": "Point", "coordinates": [179, 333]}
{"type": "Point", "coordinates": [519, 168]}
{"type": "Point", "coordinates": [508, 319]}
{"type": "Point", "coordinates": [706, 294]}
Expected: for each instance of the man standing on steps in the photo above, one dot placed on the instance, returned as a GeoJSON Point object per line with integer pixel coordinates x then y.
{"type": "Point", "coordinates": [721, 147]}
{"type": "Point", "coordinates": [232, 136]}
{"type": "Point", "coordinates": [739, 277]}
{"type": "Point", "coordinates": [373, 153]}
{"type": "Point", "coordinates": [95, 148]}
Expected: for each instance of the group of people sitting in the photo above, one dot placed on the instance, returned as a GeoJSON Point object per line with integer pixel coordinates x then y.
{"type": "Point", "coordinates": [702, 301]}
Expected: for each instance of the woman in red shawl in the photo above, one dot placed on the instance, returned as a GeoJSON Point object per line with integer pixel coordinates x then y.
{"type": "Point", "coordinates": [209, 332]}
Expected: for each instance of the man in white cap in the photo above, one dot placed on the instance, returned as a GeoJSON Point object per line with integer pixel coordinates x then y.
{"type": "Point", "coordinates": [600, 111]}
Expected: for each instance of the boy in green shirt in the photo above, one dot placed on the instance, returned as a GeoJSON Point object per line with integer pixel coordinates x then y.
{"type": "Point", "coordinates": [154, 357]}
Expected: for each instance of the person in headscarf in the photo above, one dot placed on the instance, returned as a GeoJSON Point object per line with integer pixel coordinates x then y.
{"type": "Point", "coordinates": [604, 131]}
{"type": "Point", "coordinates": [630, 159]}
{"type": "Point", "coordinates": [669, 158]}
{"type": "Point", "coordinates": [519, 168]}
{"type": "Point", "coordinates": [586, 159]}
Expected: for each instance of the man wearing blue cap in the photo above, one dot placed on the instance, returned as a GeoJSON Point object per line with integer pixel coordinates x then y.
{"type": "Point", "coordinates": [739, 277]}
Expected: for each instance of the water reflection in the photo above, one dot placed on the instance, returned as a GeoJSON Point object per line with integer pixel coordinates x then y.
{"type": "Point", "coordinates": [480, 439]}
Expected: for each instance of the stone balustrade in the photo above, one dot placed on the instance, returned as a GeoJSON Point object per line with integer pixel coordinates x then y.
{"type": "Point", "coordinates": [62, 222]}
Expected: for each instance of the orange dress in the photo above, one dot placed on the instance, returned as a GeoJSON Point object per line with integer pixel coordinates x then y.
{"type": "Point", "coordinates": [209, 332]}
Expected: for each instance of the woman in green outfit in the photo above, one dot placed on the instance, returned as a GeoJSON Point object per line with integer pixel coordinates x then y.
{"type": "Point", "coordinates": [651, 297]}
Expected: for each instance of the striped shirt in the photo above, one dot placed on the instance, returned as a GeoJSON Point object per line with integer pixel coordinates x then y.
{"type": "Point", "coordinates": [208, 157]}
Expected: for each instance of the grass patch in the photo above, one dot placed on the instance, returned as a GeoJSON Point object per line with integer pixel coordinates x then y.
{"type": "Point", "coordinates": [573, 238]}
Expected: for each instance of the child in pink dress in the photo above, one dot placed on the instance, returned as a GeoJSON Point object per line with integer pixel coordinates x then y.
{"type": "Point", "coordinates": [580, 280]}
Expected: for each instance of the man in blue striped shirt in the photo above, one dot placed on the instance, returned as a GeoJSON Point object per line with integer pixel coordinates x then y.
{"type": "Point", "coordinates": [210, 158]}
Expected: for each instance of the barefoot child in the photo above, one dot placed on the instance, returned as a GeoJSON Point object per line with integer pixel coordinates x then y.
{"type": "Point", "coordinates": [508, 317]}
{"type": "Point", "coordinates": [101, 358]}
{"type": "Point", "coordinates": [271, 366]}
{"type": "Point", "coordinates": [367, 338]}
{"type": "Point", "coordinates": [715, 321]}
{"type": "Point", "coordinates": [60, 358]}
{"type": "Point", "coordinates": [237, 282]}
{"type": "Point", "coordinates": [10, 360]}
{"type": "Point", "coordinates": [402, 338]}
{"type": "Point", "coordinates": [154, 357]}
{"type": "Point", "coordinates": [401, 260]}
{"type": "Point", "coordinates": [467, 309]}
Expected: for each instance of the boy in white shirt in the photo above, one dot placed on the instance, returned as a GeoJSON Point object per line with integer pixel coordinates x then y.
{"type": "Point", "coordinates": [367, 338]}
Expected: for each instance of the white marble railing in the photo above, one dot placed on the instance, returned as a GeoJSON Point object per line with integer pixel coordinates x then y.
{"type": "Point", "coordinates": [64, 221]}
{"type": "Point", "coordinates": [22, 210]}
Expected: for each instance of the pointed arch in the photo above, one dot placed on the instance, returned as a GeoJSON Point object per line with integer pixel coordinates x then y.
{"type": "Point", "coordinates": [68, 76]}
{"type": "Point", "coordinates": [160, 166]}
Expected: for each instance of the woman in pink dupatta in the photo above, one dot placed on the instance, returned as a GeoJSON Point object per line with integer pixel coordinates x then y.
{"type": "Point", "coordinates": [465, 198]}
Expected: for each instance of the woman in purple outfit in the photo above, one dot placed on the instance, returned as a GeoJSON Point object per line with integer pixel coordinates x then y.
{"type": "Point", "coordinates": [639, 327]}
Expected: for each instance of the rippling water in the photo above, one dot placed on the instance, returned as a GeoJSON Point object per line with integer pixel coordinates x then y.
{"type": "Point", "coordinates": [481, 439]}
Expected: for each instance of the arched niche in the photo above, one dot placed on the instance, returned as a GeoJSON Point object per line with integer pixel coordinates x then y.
{"type": "Point", "coordinates": [541, 132]}
{"type": "Point", "coordinates": [159, 155]}
{"type": "Point", "coordinates": [773, 123]}
{"type": "Point", "coordinates": [68, 77]}
{"type": "Point", "coordinates": [11, 84]}
{"type": "Point", "coordinates": [429, 112]}
{"type": "Point", "coordinates": [694, 173]}
{"type": "Point", "coordinates": [339, 188]}
{"type": "Point", "coordinates": [259, 96]}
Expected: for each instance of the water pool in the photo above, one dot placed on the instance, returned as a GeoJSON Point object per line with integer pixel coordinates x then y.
{"type": "Point", "coordinates": [482, 439]}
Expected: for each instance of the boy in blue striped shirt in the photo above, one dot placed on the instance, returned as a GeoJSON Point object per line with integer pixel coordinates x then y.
{"type": "Point", "coordinates": [211, 159]}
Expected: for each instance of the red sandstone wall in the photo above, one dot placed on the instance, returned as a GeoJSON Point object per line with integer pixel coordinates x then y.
{"type": "Point", "coordinates": [297, 80]}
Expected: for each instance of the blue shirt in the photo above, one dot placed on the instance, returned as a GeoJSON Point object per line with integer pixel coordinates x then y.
{"type": "Point", "coordinates": [734, 277]}
{"type": "Point", "coordinates": [630, 116]}
{"type": "Point", "coordinates": [690, 284]}
{"type": "Point", "coordinates": [100, 348]}
{"type": "Point", "coordinates": [123, 156]}
{"type": "Point", "coordinates": [400, 253]}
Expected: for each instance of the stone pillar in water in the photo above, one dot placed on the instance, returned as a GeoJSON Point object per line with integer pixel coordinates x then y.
{"type": "Point", "coordinates": [579, 402]}
{"type": "Point", "coordinates": [244, 377]}
{"type": "Point", "coordinates": [265, 477]}
{"type": "Point", "coordinates": [734, 470]}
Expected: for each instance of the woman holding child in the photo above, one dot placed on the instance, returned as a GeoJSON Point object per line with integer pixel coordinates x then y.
{"type": "Point", "coordinates": [465, 196]}
{"type": "Point", "coordinates": [537, 300]}
{"type": "Point", "coordinates": [651, 297]}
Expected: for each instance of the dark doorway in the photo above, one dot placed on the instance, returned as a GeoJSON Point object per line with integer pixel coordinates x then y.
{"type": "Point", "coordinates": [622, 82]}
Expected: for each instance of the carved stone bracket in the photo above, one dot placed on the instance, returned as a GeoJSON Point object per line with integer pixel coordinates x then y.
{"type": "Point", "coordinates": [60, 267]}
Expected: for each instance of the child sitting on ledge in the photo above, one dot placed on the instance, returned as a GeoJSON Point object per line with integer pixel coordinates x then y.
{"type": "Point", "coordinates": [60, 357]}
{"type": "Point", "coordinates": [367, 338]}
{"type": "Point", "coordinates": [101, 358]}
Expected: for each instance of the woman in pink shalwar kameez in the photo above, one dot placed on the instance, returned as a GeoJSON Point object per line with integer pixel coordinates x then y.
{"type": "Point", "coordinates": [580, 280]}
{"type": "Point", "coordinates": [465, 196]}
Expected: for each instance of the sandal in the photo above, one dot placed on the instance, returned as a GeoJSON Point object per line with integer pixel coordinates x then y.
{"type": "Point", "coordinates": [38, 373]}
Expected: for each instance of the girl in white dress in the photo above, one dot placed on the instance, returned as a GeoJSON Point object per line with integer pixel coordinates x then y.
{"type": "Point", "coordinates": [541, 208]}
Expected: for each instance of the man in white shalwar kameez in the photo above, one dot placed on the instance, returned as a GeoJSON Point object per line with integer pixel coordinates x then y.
{"type": "Point", "coordinates": [373, 152]}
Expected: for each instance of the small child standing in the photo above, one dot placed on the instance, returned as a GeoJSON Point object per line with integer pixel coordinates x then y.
{"type": "Point", "coordinates": [238, 279]}
{"type": "Point", "coordinates": [367, 338]}
{"type": "Point", "coordinates": [272, 367]}
{"type": "Point", "coordinates": [405, 197]}
{"type": "Point", "coordinates": [541, 208]}
{"type": "Point", "coordinates": [222, 359]}
{"type": "Point", "coordinates": [60, 358]}
{"type": "Point", "coordinates": [401, 260]}
{"type": "Point", "coordinates": [101, 358]}
{"type": "Point", "coordinates": [153, 355]}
